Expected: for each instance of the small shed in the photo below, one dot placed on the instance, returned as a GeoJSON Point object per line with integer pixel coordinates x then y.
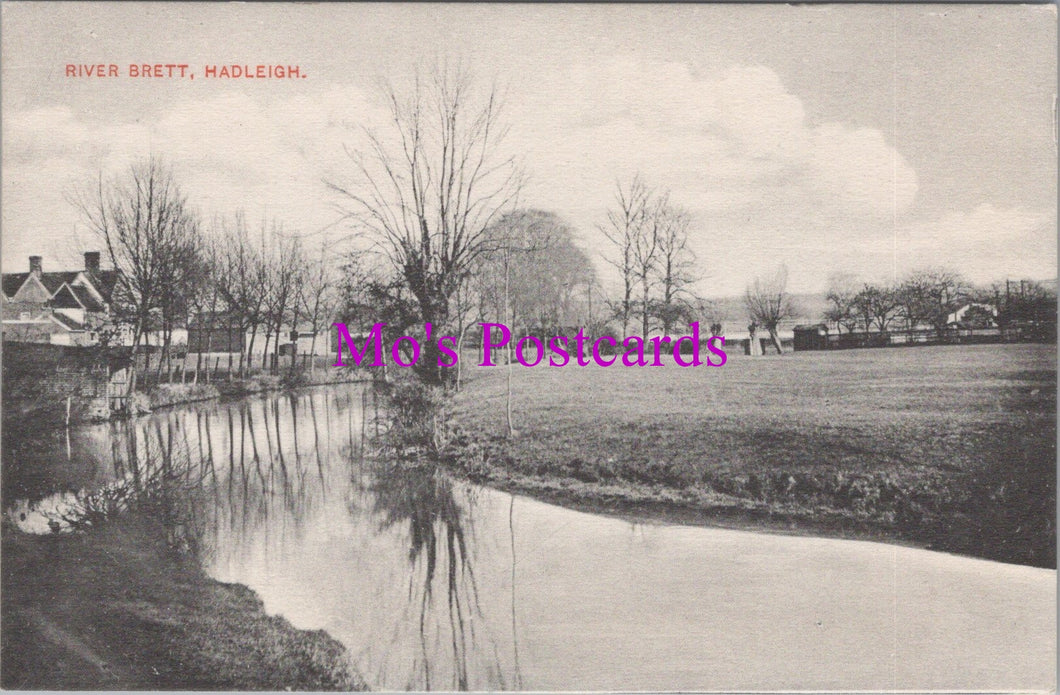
{"type": "Point", "coordinates": [811, 337]}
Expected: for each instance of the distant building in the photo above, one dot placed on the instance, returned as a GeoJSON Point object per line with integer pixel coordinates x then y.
{"type": "Point", "coordinates": [957, 317]}
{"type": "Point", "coordinates": [64, 307]}
{"type": "Point", "coordinates": [215, 331]}
{"type": "Point", "coordinates": [810, 337]}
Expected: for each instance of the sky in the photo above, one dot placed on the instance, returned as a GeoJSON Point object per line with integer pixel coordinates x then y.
{"type": "Point", "coordinates": [863, 139]}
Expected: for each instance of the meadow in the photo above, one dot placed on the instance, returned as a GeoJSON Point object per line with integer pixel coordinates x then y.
{"type": "Point", "coordinates": [945, 447]}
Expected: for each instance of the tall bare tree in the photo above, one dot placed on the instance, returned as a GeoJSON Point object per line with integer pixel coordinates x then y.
{"type": "Point", "coordinates": [544, 276]}
{"type": "Point", "coordinates": [523, 233]}
{"type": "Point", "coordinates": [676, 262]}
{"type": "Point", "coordinates": [205, 301]}
{"type": "Point", "coordinates": [146, 226]}
{"type": "Point", "coordinates": [285, 269]}
{"type": "Point", "coordinates": [624, 229]}
{"type": "Point", "coordinates": [768, 303]}
{"type": "Point", "coordinates": [426, 195]}
{"type": "Point", "coordinates": [318, 296]}
{"type": "Point", "coordinates": [243, 266]}
{"type": "Point", "coordinates": [646, 254]}
{"type": "Point", "coordinates": [876, 306]}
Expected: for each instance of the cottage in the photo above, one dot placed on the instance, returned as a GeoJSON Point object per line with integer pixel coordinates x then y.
{"type": "Point", "coordinates": [61, 307]}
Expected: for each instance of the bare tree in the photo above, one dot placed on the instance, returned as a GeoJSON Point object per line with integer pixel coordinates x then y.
{"type": "Point", "coordinates": [1027, 302]}
{"type": "Point", "coordinates": [205, 300]}
{"type": "Point", "coordinates": [876, 306]}
{"type": "Point", "coordinates": [841, 295]}
{"type": "Point", "coordinates": [646, 254]}
{"type": "Point", "coordinates": [930, 296]}
{"type": "Point", "coordinates": [624, 228]}
{"type": "Point", "coordinates": [143, 220]}
{"type": "Point", "coordinates": [675, 268]}
{"type": "Point", "coordinates": [284, 265]}
{"type": "Point", "coordinates": [426, 201]}
{"type": "Point", "coordinates": [545, 275]}
{"type": "Point", "coordinates": [244, 290]}
{"type": "Point", "coordinates": [523, 232]}
{"type": "Point", "coordinates": [318, 297]}
{"type": "Point", "coordinates": [768, 303]}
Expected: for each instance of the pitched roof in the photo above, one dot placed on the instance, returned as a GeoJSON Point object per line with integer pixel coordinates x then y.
{"type": "Point", "coordinates": [67, 322]}
{"type": "Point", "coordinates": [54, 281]}
{"type": "Point", "coordinates": [12, 283]}
{"type": "Point", "coordinates": [88, 301]}
{"type": "Point", "coordinates": [102, 280]}
{"type": "Point", "coordinates": [51, 281]}
{"type": "Point", "coordinates": [65, 299]}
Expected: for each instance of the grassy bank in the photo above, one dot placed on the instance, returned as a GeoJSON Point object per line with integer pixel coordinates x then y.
{"type": "Point", "coordinates": [952, 448]}
{"type": "Point", "coordinates": [166, 395]}
{"type": "Point", "coordinates": [116, 608]}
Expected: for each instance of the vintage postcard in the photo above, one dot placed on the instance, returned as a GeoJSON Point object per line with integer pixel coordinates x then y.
{"type": "Point", "coordinates": [546, 347]}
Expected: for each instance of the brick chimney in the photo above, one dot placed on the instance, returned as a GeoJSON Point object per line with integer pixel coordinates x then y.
{"type": "Point", "coordinates": [91, 260]}
{"type": "Point", "coordinates": [35, 265]}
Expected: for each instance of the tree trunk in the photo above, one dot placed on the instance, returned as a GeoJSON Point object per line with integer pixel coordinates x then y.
{"type": "Point", "coordinates": [644, 311]}
{"type": "Point", "coordinates": [250, 353]}
{"type": "Point", "coordinates": [265, 350]}
{"type": "Point", "coordinates": [147, 351]}
{"type": "Point", "coordinates": [460, 352]}
{"type": "Point", "coordinates": [198, 361]}
{"type": "Point", "coordinates": [775, 340]}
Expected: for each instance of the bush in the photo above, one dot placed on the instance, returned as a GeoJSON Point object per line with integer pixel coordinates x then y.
{"type": "Point", "coordinates": [415, 422]}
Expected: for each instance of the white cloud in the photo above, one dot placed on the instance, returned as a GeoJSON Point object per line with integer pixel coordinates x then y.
{"type": "Point", "coordinates": [766, 184]}
{"type": "Point", "coordinates": [229, 152]}
{"type": "Point", "coordinates": [741, 138]}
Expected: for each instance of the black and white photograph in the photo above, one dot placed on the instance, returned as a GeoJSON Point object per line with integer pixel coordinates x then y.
{"type": "Point", "coordinates": [538, 347]}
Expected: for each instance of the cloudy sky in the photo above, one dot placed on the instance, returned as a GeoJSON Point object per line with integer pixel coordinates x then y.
{"type": "Point", "coordinates": [866, 139]}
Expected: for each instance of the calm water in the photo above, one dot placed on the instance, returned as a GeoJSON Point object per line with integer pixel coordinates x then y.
{"type": "Point", "coordinates": [432, 583]}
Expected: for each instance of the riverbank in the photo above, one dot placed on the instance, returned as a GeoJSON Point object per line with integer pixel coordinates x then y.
{"type": "Point", "coordinates": [117, 608]}
{"type": "Point", "coordinates": [949, 448]}
{"type": "Point", "coordinates": [169, 395]}
{"type": "Point", "coordinates": [57, 400]}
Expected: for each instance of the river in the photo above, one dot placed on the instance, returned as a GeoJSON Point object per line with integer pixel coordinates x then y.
{"type": "Point", "coordinates": [435, 583]}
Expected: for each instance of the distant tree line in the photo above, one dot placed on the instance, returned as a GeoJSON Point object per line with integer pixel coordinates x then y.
{"type": "Point", "coordinates": [929, 297]}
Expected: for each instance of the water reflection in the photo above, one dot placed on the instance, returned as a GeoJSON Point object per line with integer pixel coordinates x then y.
{"type": "Point", "coordinates": [432, 583]}
{"type": "Point", "coordinates": [420, 503]}
{"type": "Point", "coordinates": [266, 491]}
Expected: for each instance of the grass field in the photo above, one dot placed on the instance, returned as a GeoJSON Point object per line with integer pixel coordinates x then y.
{"type": "Point", "coordinates": [950, 447]}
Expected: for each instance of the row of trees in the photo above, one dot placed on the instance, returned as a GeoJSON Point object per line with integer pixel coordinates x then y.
{"type": "Point", "coordinates": [930, 297]}
{"type": "Point", "coordinates": [175, 272]}
{"type": "Point", "coordinates": [923, 297]}
{"type": "Point", "coordinates": [649, 248]}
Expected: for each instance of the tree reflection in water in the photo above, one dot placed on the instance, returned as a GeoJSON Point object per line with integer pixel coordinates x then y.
{"type": "Point", "coordinates": [421, 498]}
{"type": "Point", "coordinates": [413, 493]}
{"type": "Point", "coordinates": [251, 487]}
